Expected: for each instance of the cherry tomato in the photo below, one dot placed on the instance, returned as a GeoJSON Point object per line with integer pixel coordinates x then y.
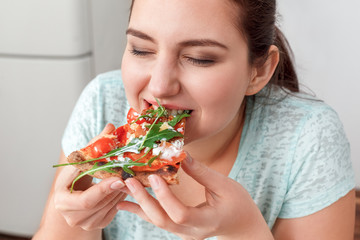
{"type": "Point", "coordinates": [100, 147]}
{"type": "Point", "coordinates": [121, 134]}
{"type": "Point", "coordinates": [133, 115]}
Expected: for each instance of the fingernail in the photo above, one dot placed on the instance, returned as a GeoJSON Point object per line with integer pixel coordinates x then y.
{"type": "Point", "coordinates": [130, 185]}
{"type": "Point", "coordinates": [188, 159]}
{"type": "Point", "coordinates": [154, 182]}
{"type": "Point", "coordinates": [117, 185]}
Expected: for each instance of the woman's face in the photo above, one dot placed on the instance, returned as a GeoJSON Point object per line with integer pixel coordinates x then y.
{"type": "Point", "coordinates": [190, 56]}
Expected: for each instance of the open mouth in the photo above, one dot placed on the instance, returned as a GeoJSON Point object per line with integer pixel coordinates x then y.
{"type": "Point", "coordinates": [171, 109]}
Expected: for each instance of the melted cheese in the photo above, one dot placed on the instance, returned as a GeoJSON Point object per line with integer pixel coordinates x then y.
{"type": "Point", "coordinates": [169, 152]}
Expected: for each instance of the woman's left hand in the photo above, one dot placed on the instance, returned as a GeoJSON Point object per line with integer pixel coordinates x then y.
{"type": "Point", "coordinates": [228, 212]}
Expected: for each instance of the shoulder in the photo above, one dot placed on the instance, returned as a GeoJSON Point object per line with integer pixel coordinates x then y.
{"type": "Point", "coordinates": [298, 125]}
{"type": "Point", "coordinates": [308, 134]}
{"type": "Point", "coordinates": [292, 112]}
{"type": "Point", "coordinates": [295, 152]}
{"type": "Point", "coordinates": [109, 80]}
{"type": "Point", "coordinates": [111, 104]}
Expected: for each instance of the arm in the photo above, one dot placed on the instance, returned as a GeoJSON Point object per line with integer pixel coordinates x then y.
{"type": "Point", "coordinates": [334, 222]}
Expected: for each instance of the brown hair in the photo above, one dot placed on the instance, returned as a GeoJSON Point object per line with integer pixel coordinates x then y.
{"type": "Point", "coordinates": [257, 22]}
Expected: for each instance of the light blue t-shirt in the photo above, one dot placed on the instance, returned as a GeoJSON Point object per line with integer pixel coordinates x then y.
{"type": "Point", "coordinates": [293, 159]}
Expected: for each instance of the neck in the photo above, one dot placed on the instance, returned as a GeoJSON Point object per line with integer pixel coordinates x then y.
{"type": "Point", "coordinates": [222, 146]}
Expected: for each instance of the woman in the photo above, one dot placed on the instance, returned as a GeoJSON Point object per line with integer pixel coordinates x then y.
{"type": "Point", "coordinates": [264, 161]}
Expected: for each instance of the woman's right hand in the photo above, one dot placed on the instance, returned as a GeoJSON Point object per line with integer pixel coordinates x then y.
{"type": "Point", "coordinates": [90, 206]}
{"type": "Point", "coordinates": [84, 212]}
{"type": "Point", "coordinates": [89, 209]}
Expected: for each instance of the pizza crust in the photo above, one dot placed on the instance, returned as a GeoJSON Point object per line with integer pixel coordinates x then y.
{"type": "Point", "coordinates": [168, 172]}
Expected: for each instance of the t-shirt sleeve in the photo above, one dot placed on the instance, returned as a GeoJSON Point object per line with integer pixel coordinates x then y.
{"type": "Point", "coordinates": [82, 125]}
{"type": "Point", "coordinates": [321, 171]}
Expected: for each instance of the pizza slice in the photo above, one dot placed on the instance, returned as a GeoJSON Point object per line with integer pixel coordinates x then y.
{"type": "Point", "coordinates": [150, 143]}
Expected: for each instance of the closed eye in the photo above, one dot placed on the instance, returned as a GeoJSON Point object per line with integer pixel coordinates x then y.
{"type": "Point", "coordinates": [200, 62]}
{"type": "Point", "coordinates": [136, 52]}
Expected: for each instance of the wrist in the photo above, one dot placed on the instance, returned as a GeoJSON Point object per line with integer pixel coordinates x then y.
{"type": "Point", "coordinates": [256, 231]}
{"type": "Point", "coordinates": [253, 226]}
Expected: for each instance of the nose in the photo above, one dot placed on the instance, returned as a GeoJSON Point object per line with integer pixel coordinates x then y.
{"type": "Point", "coordinates": [164, 79]}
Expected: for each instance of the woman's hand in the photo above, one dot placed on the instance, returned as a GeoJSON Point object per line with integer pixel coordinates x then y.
{"type": "Point", "coordinates": [91, 209]}
{"type": "Point", "coordinates": [228, 212]}
{"type": "Point", "coordinates": [90, 206]}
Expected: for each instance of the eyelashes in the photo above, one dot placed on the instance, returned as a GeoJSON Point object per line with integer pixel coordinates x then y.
{"type": "Point", "coordinates": [136, 52]}
{"type": "Point", "coordinates": [204, 62]}
{"type": "Point", "coordinates": [200, 62]}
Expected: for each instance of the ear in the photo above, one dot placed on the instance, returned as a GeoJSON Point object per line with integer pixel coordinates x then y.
{"type": "Point", "coordinates": [261, 75]}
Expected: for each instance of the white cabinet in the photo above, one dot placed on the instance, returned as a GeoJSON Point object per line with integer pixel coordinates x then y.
{"type": "Point", "coordinates": [45, 27]}
{"type": "Point", "coordinates": [45, 61]}
{"type": "Point", "coordinates": [49, 50]}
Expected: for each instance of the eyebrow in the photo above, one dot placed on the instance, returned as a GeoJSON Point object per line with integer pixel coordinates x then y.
{"type": "Point", "coordinates": [188, 43]}
{"type": "Point", "coordinates": [139, 34]}
{"type": "Point", "coordinates": [203, 43]}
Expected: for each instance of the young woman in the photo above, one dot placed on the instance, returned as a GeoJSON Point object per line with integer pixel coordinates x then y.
{"type": "Point", "coordinates": [264, 160]}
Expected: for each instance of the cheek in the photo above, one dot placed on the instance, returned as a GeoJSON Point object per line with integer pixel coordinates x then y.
{"type": "Point", "coordinates": [134, 80]}
{"type": "Point", "coordinates": [219, 98]}
{"type": "Point", "coordinates": [221, 88]}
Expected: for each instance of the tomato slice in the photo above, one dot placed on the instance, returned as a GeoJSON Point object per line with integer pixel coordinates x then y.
{"type": "Point", "coordinates": [101, 147]}
{"type": "Point", "coordinates": [121, 134]}
{"type": "Point", "coordinates": [133, 115]}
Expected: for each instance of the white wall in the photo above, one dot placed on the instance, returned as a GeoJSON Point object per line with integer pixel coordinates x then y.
{"type": "Point", "coordinates": [325, 37]}
{"type": "Point", "coordinates": [109, 26]}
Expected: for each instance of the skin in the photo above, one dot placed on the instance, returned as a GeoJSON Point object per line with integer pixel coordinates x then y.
{"type": "Point", "coordinates": [188, 65]}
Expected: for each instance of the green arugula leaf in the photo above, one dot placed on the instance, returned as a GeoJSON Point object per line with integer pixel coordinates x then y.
{"type": "Point", "coordinates": [155, 135]}
{"type": "Point", "coordinates": [178, 118]}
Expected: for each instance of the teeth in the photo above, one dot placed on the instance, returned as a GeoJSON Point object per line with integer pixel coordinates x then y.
{"type": "Point", "coordinates": [175, 112]}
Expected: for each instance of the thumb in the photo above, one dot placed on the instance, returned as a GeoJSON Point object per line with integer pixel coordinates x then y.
{"type": "Point", "coordinates": [209, 178]}
{"type": "Point", "coordinates": [109, 128]}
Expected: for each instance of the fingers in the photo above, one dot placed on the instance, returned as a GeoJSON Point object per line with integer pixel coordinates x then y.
{"type": "Point", "coordinates": [177, 211]}
{"type": "Point", "coordinates": [109, 128]}
{"type": "Point", "coordinates": [65, 178]}
{"type": "Point", "coordinates": [167, 211]}
{"type": "Point", "coordinates": [149, 205]}
{"type": "Point", "coordinates": [101, 219]}
{"type": "Point", "coordinates": [133, 208]}
{"type": "Point", "coordinates": [91, 209]}
{"type": "Point", "coordinates": [209, 178]}
{"type": "Point", "coordinates": [94, 198]}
